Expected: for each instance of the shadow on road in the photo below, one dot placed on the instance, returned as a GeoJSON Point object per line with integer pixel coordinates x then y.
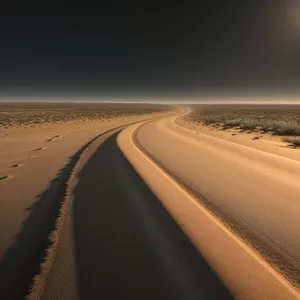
{"type": "Point", "coordinates": [126, 244]}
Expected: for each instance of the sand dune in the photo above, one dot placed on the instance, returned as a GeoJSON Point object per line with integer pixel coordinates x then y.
{"type": "Point", "coordinates": [236, 200]}
{"type": "Point", "coordinates": [31, 191]}
{"type": "Point", "coordinates": [126, 244]}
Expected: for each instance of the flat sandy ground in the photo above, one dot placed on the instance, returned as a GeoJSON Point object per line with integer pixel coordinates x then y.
{"type": "Point", "coordinates": [38, 146]}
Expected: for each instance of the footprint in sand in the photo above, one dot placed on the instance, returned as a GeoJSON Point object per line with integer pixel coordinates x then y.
{"type": "Point", "coordinates": [5, 177]}
{"type": "Point", "coordinates": [53, 138]}
{"type": "Point", "coordinates": [15, 165]}
{"type": "Point", "coordinates": [38, 149]}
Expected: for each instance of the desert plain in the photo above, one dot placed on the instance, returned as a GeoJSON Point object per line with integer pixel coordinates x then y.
{"type": "Point", "coordinates": [39, 146]}
{"type": "Point", "coordinates": [136, 199]}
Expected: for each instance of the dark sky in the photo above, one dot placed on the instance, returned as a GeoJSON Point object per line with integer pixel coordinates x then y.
{"type": "Point", "coordinates": [147, 47]}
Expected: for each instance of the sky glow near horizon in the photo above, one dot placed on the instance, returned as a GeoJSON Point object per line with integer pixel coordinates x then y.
{"type": "Point", "coordinates": [163, 100]}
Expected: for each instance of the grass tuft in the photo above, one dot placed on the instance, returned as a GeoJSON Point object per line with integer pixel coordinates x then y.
{"type": "Point", "coordinates": [232, 123]}
{"type": "Point", "coordinates": [281, 121]}
{"type": "Point", "coordinates": [293, 141]}
{"type": "Point", "coordinates": [287, 129]}
{"type": "Point", "coordinates": [266, 126]}
{"type": "Point", "coordinates": [249, 125]}
{"type": "Point", "coordinates": [211, 120]}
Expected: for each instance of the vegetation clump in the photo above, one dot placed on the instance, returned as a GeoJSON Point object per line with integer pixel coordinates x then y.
{"type": "Point", "coordinates": [281, 122]}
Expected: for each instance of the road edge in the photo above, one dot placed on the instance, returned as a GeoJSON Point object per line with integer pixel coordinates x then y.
{"type": "Point", "coordinates": [281, 288]}
{"type": "Point", "coordinates": [38, 281]}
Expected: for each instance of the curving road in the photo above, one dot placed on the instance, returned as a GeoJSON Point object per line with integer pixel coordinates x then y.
{"type": "Point", "coordinates": [118, 241]}
{"type": "Point", "coordinates": [256, 193]}
{"type": "Point", "coordinates": [118, 238]}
